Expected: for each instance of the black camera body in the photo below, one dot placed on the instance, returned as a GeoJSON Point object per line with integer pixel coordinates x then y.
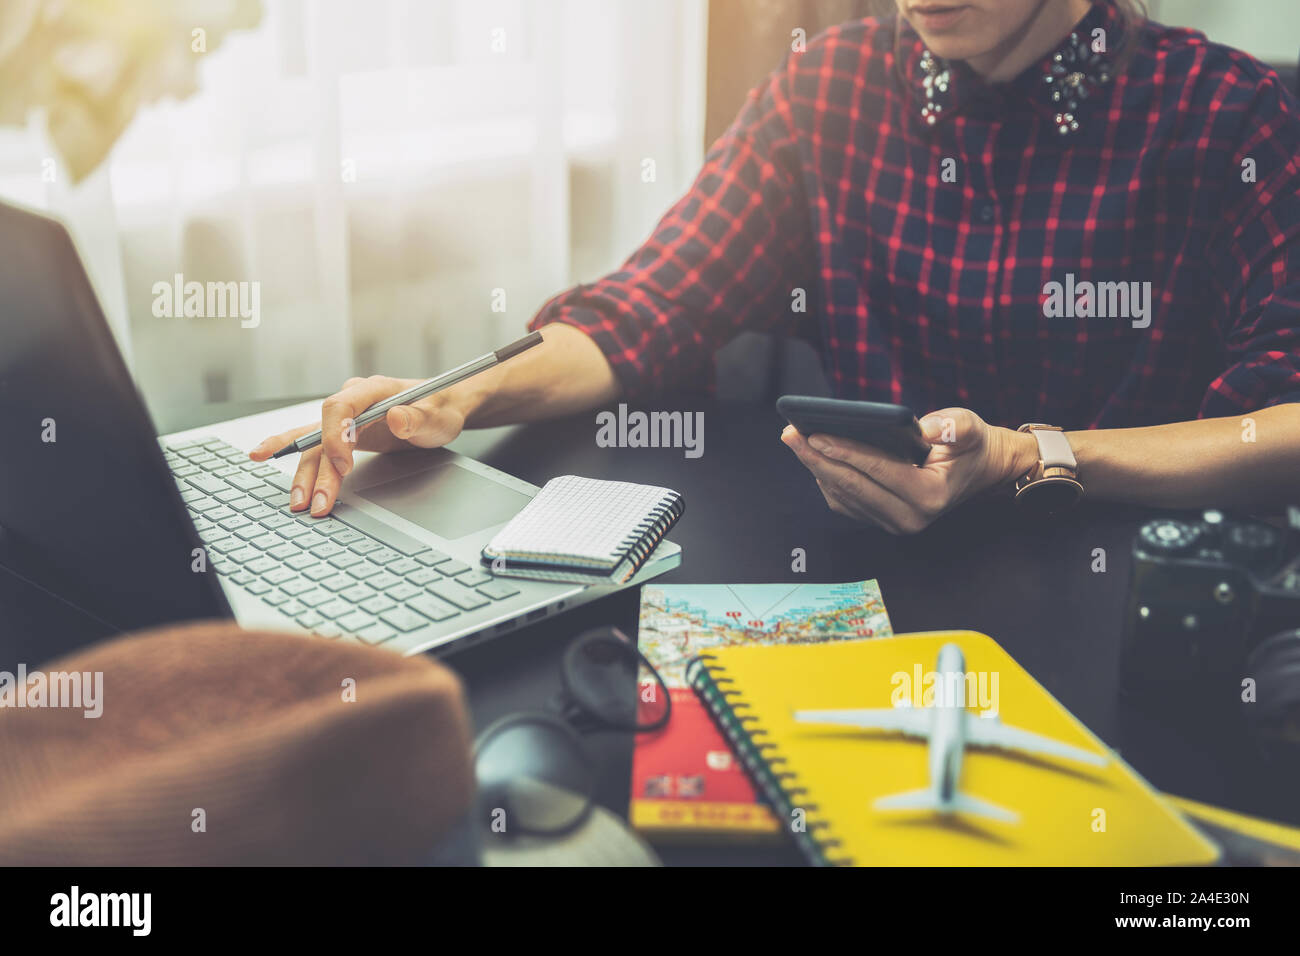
{"type": "Point", "coordinates": [1206, 590]}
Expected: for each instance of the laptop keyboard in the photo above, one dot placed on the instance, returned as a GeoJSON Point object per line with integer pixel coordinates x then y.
{"type": "Point", "coordinates": [346, 574]}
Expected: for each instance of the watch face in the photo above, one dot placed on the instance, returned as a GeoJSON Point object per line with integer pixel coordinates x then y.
{"type": "Point", "coordinates": [1050, 495]}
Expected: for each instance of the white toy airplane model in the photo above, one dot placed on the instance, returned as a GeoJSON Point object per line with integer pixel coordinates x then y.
{"type": "Point", "coordinates": [949, 729]}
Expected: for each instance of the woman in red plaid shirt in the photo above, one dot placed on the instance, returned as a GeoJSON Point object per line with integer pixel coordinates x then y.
{"type": "Point", "coordinates": [1049, 211]}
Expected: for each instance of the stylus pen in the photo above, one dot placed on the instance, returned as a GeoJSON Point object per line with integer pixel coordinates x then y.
{"type": "Point", "coordinates": [417, 392]}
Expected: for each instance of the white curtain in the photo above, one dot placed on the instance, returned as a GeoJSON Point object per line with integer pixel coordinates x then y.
{"type": "Point", "coordinates": [406, 180]}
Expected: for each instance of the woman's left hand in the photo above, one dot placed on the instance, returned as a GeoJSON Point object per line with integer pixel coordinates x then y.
{"type": "Point", "coordinates": [862, 482]}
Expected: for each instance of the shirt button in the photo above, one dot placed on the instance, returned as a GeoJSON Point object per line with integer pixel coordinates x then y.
{"type": "Point", "coordinates": [986, 212]}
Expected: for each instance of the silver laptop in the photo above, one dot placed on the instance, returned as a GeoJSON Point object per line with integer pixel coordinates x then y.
{"type": "Point", "coordinates": [395, 564]}
{"type": "Point", "coordinates": [136, 531]}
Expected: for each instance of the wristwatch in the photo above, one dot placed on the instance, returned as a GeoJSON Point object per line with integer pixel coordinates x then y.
{"type": "Point", "coordinates": [1052, 485]}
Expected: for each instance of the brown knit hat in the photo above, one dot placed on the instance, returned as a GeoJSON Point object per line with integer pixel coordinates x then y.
{"type": "Point", "coordinates": [222, 746]}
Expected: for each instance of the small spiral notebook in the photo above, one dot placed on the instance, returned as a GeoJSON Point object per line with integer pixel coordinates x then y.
{"type": "Point", "coordinates": [584, 530]}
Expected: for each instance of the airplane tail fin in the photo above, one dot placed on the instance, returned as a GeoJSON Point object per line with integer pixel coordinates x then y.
{"type": "Point", "coordinates": [928, 799]}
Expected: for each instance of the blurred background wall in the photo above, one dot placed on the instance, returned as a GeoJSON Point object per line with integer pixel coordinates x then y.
{"type": "Point", "coordinates": [408, 180]}
{"type": "Point", "coordinates": [1267, 29]}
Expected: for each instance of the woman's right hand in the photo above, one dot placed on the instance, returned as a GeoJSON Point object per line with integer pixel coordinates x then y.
{"type": "Point", "coordinates": [429, 423]}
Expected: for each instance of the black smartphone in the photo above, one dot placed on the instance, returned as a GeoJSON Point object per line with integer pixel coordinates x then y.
{"type": "Point", "coordinates": [891, 428]}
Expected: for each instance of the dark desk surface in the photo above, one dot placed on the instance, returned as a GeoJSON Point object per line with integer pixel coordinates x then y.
{"type": "Point", "coordinates": [749, 503]}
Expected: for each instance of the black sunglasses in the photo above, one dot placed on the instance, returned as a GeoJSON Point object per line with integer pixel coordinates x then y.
{"type": "Point", "coordinates": [534, 775]}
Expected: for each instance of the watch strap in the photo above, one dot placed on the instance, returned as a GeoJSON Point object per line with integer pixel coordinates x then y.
{"type": "Point", "coordinates": [1053, 447]}
{"type": "Point", "coordinates": [1053, 483]}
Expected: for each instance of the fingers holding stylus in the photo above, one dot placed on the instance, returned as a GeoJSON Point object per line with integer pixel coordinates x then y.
{"type": "Point", "coordinates": [305, 477]}
{"type": "Point", "coordinates": [338, 413]}
{"type": "Point", "coordinates": [429, 423]}
{"type": "Point", "coordinates": [270, 446]}
{"type": "Point", "coordinates": [412, 413]}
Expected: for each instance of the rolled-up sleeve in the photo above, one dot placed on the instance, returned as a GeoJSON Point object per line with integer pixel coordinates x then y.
{"type": "Point", "coordinates": [730, 255]}
{"type": "Point", "coordinates": [1256, 263]}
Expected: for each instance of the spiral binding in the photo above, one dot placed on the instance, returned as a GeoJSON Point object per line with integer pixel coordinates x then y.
{"type": "Point", "coordinates": [650, 530]}
{"type": "Point", "coordinates": [779, 787]}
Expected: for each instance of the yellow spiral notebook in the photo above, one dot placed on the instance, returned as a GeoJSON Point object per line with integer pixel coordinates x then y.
{"type": "Point", "coordinates": [825, 781]}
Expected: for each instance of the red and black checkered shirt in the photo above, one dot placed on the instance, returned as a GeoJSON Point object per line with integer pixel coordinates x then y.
{"type": "Point", "coordinates": [918, 253]}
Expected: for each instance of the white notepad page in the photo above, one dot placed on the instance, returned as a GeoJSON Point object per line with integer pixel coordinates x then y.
{"type": "Point", "coordinates": [582, 520]}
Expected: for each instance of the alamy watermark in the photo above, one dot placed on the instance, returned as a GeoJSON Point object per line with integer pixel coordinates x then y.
{"type": "Point", "coordinates": [62, 689]}
{"type": "Point", "coordinates": [76, 908]}
{"type": "Point", "coordinates": [208, 300]}
{"type": "Point", "coordinates": [639, 429]}
{"type": "Point", "coordinates": [1101, 300]}
{"type": "Point", "coordinates": [923, 688]}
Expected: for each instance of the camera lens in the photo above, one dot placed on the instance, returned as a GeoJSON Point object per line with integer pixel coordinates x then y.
{"type": "Point", "coordinates": [1273, 712]}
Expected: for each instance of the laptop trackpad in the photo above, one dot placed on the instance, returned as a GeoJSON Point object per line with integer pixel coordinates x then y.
{"type": "Point", "coordinates": [447, 499]}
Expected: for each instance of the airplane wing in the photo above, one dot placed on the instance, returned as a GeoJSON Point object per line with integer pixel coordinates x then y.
{"type": "Point", "coordinates": [986, 732]}
{"type": "Point", "coordinates": [910, 721]}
